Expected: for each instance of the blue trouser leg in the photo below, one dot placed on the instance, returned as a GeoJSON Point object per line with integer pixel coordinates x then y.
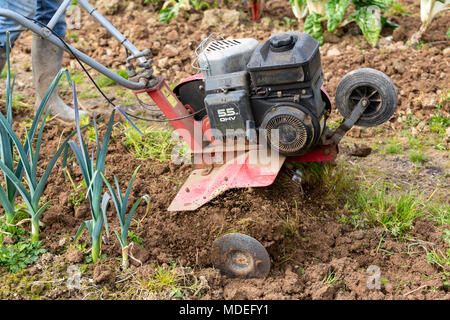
{"type": "Point", "coordinates": [26, 8]}
{"type": "Point", "coordinates": [45, 11]}
{"type": "Point", "coordinates": [41, 10]}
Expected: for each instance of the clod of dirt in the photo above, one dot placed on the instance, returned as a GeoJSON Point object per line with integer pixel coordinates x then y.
{"type": "Point", "coordinates": [321, 291]}
{"type": "Point", "coordinates": [290, 282]}
{"type": "Point", "coordinates": [399, 34]}
{"type": "Point", "coordinates": [139, 254]}
{"type": "Point", "coordinates": [74, 256]}
{"type": "Point", "coordinates": [360, 150]}
{"type": "Point", "coordinates": [236, 290]}
{"type": "Point", "coordinates": [221, 18]}
{"type": "Point", "coordinates": [110, 6]}
{"type": "Point", "coordinates": [103, 275]}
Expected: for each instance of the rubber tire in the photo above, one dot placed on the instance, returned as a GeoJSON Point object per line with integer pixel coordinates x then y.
{"type": "Point", "coordinates": [375, 79]}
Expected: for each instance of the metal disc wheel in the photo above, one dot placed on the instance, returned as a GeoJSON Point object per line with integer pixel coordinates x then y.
{"type": "Point", "coordinates": [240, 256]}
{"type": "Point", "coordinates": [372, 85]}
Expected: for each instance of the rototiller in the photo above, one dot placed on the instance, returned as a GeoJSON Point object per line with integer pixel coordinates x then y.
{"type": "Point", "coordinates": [251, 107]}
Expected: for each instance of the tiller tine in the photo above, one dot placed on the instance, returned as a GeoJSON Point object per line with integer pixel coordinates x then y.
{"type": "Point", "coordinates": [240, 171]}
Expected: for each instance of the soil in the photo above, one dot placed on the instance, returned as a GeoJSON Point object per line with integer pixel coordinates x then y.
{"type": "Point", "coordinates": [298, 225]}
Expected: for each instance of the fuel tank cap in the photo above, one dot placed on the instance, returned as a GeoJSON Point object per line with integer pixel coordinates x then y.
{"type": "Point", "coordinates": [282, 42]}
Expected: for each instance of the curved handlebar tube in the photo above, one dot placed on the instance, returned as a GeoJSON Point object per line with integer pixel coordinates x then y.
{"type": "Point", "coordinates": [45, 33]}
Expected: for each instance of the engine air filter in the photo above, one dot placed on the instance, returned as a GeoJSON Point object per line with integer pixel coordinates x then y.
{"type": "Point", "coordinates": [294, 132]}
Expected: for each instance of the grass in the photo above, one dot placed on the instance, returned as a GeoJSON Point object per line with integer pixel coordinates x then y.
{"type": "Point", "coordinates": [104, 81]}
{"type": "Point", "coordinates": [88, 95]}
{"type": "Point", "coordinates": [394, 146]}
{"type": "Point", "coordinates": [397, 9]}
{"type": "Point", "coordinates": [156, 143]}
{"type": "Point", "coordinates": [417, 156]}
{"type": "Point", "coordinates": [171, 281]}
{"type": "Point", "coordinates": [371, 204]}
{"type": "Point", "coordinates": [18, 102]}
{"type": "Point", "coordinates": [330, 278]}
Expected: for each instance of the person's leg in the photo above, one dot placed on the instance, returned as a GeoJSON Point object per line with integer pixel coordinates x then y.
{"type": "Point", "coordinates": [47, 60]}
{"type": "Point", "coordinates": [26, 8]}
{"type": "Point", "coordinates": [45, 11]}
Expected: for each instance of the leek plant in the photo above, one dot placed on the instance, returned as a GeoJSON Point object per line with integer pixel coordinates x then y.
{"type": "Point", "coordinates": [92, 167]}
{"type": "Point", "coordinates": [8, 196]}
{"type": "Point", "coordinates": [120, 203]}
{"type": "Point", "coordinates": [29, 188]}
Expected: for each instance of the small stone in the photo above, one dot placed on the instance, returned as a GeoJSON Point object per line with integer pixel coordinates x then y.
{"type": "Point", "coordinates": [62, 242]}
{"type": "Point", "coordinates": [446, 52]}
{"type": "Point", "coordinates": [195, 17]}
{"type": "Point", "coordinates": [171, 51]}
{"type": "Point", "coordinates": [163, 62]}
{"type": "Point", "coordinates": [333, 52]}
{"type": "Point", "coordinates": [172, 35]}
{"type": "Point", "coordinates": [110, 6]}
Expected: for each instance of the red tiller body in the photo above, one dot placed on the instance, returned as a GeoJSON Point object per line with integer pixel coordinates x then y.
{"type": "Point", "coordinates": [209, 179]}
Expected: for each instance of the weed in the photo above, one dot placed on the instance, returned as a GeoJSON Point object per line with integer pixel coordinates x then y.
{"type": "Point", "coordinates": [77, 197]}
{"type": "Point", "coordinates": [156, 143]}
{"type": "Point", "coordinates": [77, 76]}
{"type": "Point", "coordinates": [439, 123]}
{"type": "Point", "coordinates": [73, 35]}
{"type": "Point", "coordinates": [377, 205]}
{"type": "Point", "coordinates": [20, 255]}
{"type": "Point", "coordinates": [172, 281]}
{"type": "Point", "coordinates": [135, 238]}
{"type": "Point", "coordinates": [330, 278]}
{"type": "Point", "coordinates": [417, 156]}
{"type": "Point", "coordinates": [446, 235]}
{"type": "Point", "coordinates": [398, 9]}
{"type": "Point", "coordinates": [104, 81]}
{"type": "Point", "coordinates": [88, 95]}
{"type": "Point", "coordinates": [438, 258]}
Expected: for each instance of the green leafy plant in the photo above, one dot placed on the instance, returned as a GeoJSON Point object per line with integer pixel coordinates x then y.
{"type": "Point", "coordinates": [199, 4]}
{"type": "Point", "coordinates": [171, 9]}
{"type": "Point", "coordinates": [20, 255]}
{"type": "Point", "coordinates": [428, 10]}
{"type": "Point", "coordinates": [299, 8]}
{"type": "Point", "coordinates": [366, 15]}
{"type": "Point", "coordinates": [90, 168]}
{"type": "Point", "coordinates": [29, 188]}
{"type": "Point", "coordinates": [77, 196]}
{"type": "Point", "coordinates": [120, 203]}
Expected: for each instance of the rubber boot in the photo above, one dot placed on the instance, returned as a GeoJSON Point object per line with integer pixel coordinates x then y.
{"type": "Point", "coordinates": [46, 63]}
